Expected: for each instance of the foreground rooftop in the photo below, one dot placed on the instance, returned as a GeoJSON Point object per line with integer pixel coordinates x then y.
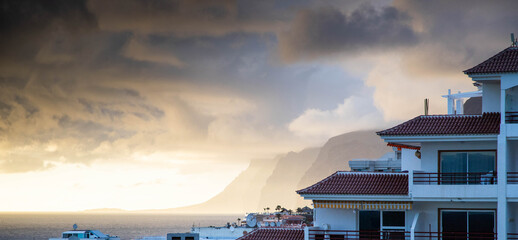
{"type": "Point", "coordinates": [360, 183]}
{"type": "Point", "coordinates": [487, 123]}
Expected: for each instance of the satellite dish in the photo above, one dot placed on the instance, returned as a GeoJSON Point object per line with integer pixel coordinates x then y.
{"type": "Point", "coordinates": [272, 224]}
{"type": "Point", "coordinates": [278, 224]}
{"type": "Point", "coordinates": [75, 226]}
{"type": "Point", "coordinates": [251, 221]}
{"type": "Point", "coordinates": [232, 229]}
{"type": "Point", "coordinates": [259, 224]}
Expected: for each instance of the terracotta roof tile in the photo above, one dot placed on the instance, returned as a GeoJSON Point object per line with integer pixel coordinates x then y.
{"type": "Point", "coordinates": [275, 234]}
{"type": "Point", "coordinates": [502, 62]}
{"type": "Point", "coordinates": [487, 123]}
{"type": "Point", "coordinates": [361, 183]}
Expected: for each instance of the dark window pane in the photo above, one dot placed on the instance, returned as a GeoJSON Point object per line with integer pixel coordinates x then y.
{"type": "Point", "coordinates": [337, 237]}
{"type": "Point", "coordinates": [394, 219]}
{"type": "Point", "coordinates": [454, 225]}
{"type": "Point", "coordinates": [453, 167]}
{"type": "Point", "coordinates": [369, 224]}
{"type": "Point", "coordinates": [453, 162]}
{"type": "Point", "coordinates": [482, 162]}
{"type": "Point", "coordinates": [481, 225]}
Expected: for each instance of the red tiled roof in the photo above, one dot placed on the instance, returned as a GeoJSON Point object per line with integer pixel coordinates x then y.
{"type": "Point", "coordinates": [504, 61]}
{"type": "Point", "coordinates": [361, 183]}
{"type": "Point", "coordinates": [487, 123]}
{"type": "Point", "coordinates": [274, 234]}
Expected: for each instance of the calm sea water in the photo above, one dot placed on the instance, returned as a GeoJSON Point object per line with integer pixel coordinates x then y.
{"type": "Point", "coordinates": [127, 226]}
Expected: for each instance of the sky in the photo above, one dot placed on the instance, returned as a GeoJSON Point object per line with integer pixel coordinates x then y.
{"type": "Point", "coordinates": [159, 104]}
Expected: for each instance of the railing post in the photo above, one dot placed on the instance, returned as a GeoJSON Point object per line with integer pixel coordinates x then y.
{"type": "Point", "coordinates": [410, 182]}
{"type": "Point", "coordinates": [306, 233]}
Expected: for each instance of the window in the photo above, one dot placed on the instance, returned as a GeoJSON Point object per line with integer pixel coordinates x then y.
{"type": "Point", "coordinates": [189, 238]}
{"type": "Point", "coordinates": [386, 224]}
{"type": "Point", "coordinates": [468, 167]}
{"type": "Point", "coordinates": [461, 224]}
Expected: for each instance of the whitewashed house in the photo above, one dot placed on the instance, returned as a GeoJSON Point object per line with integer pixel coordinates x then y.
{"type": "Point", "coordinates": [459, 172]}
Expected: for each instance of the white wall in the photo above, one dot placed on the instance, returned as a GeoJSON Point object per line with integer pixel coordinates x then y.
{"type": "Point", "coordinates": [409, 161]}
{"type": "Point", "coordinates": [429, 151]}
{"type": "Point", "coordinates": [338, 219]}
{"type": "Point", "coordinates": [491, 96]}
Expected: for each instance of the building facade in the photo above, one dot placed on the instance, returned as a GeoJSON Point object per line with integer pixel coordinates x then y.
{"type": "Point", "coordinates": [459, 172]}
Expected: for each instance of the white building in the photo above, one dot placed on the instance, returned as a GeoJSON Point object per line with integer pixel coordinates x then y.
{"type": "Point", "coordinates": [459, 176]}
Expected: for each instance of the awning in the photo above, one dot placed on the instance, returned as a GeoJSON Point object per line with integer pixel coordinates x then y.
{"type": "Point", "coordinates": [364, 205]}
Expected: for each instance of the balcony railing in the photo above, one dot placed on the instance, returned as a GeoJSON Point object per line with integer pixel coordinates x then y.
{"type": "Point", "coordinates": [511, 117]}
{"type": "Point", "coordinates": [400, 235]}
{"type": "Point", "coordinates": [459, 178]}
{"type": "Point", "coordinates": [512, 177]}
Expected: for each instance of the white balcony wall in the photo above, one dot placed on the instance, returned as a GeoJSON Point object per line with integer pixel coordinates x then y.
{"type": "Point", "coordinates": [430, 151]}
{"type": "Point", "coordinates": [338, 219]}
{"type": "Point", "coordinates": [448, 192]}
{"type": "Point", "coordinates": [491, 96]}
{"type": "Point", "coordinates": [409, 161]}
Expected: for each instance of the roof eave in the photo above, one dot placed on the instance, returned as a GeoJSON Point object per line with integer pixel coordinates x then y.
{"type": "Point", "coordinates": [358, 197]}
{"type": "Point", "coordinates": [440, 138]}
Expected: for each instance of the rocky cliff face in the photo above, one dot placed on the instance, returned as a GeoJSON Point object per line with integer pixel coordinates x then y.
{"type": "Point", "coordinates": [337, 152]}
{"type": "Point", "coordinates": [268, 183]}
{"type": "Point", "coordinates": [281, 185]}
{"type": "Point", "coordinates": [241, 195]}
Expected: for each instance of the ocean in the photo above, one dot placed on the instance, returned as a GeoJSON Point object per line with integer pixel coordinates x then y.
{"type": "Point", "coordinates": [128, 226]}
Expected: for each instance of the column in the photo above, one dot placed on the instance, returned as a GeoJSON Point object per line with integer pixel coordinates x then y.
{"type": "Point", "coordinates": [502, 173]}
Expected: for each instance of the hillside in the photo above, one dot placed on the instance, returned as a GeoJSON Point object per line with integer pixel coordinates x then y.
{"type": "Point", "coordinates": [336, 154]}
{"type": "Point", "coordinates": [241, 195]}
{"type": "Point", "coordinates": [268, 183]}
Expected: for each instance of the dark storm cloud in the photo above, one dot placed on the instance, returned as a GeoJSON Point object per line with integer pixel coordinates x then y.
{"type": "Point", "coordinates": [29, 107]}
{"type": "Point", "coordinates": [22, 22]}
{"type": "Point", "coordinates": [456, 35]}
{"type": "Point", "coordinates": [327, 31]}
{"type": "Point", "coordinates": [191, 17]}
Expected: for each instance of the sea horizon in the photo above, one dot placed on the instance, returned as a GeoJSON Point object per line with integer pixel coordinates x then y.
{"type": "Point", "coordinates": [126, 225]}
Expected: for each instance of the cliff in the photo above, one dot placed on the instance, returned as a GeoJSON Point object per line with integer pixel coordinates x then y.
{"type": "Point", "coordinates": [268, 183]}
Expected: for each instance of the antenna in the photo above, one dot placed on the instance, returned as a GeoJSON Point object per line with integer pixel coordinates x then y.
{"type": "Point", "coordinates": [426, 103]}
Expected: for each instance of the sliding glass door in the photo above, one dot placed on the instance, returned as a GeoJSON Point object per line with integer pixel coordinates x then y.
{"type": "Point", "coordinates": [468, 224]}
{"type": "Point", "coordinates": [470, 167]}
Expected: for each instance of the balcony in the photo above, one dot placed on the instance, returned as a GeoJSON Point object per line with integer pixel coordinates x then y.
{"type": "Point", "coordinates": [512, 178]}
{"type": "Point", "coordinates": [460, 185]}
{"type": "Point", "coordinates": [511, 117]}
{"type": "Point", "coordinates": [400, 235]}
{"type": "Point", "coordinates": [458, 178]}
{"type": "Point", "coordinates": [512, 187]}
